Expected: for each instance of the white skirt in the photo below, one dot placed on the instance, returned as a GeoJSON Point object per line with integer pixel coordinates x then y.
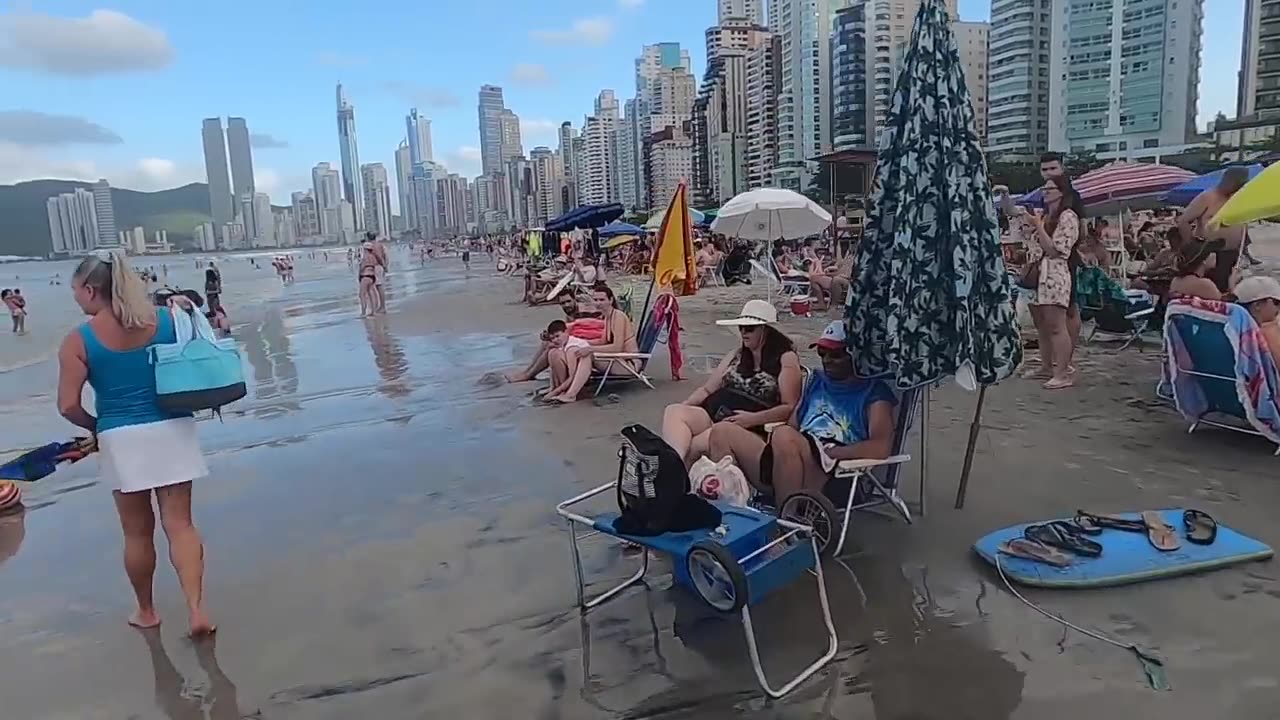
{"type": "Point", "coordinates": [137, 458]}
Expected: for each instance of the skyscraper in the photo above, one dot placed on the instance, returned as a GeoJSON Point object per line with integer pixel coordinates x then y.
{"type": "Point", "coordinates": [1130, 88]}
{"type": "Point", "coordinates": [1259, 89]}
{"type": "Point", "coordinates": [764, 76]}
{"type": "Point", "coordinates": [73, 222]}
{"type": "Point", "coordinates": [350, 157]}
{"type": "Point", "coordinates": [598, 166]}
{"type": "Point", "coordinates": [512, 147]}
{"type": "Point", "coordinates": [306, 219]}
{"type": "Point", "coordinates": [215, 171]}
{"type": "Point", "coordinates": [241, 157]}
{"type": "Point", "coordinates": [749, 10]}
{"type": "Point", "coordinates": [804, 99]}
{"type": "Point", "coordinates": [328, 194]}
{"type": "Point", "coordinates": [105, 213]}
{"type": "Point", "coordinates": [377, 198]}
{"type": "Point", "coordinates": [404, 174]}
{"type": "Point", "coordinates": [569, 195]}
{"type": "Point", "coordinates": [971, 43]}
{"type": "Point", "coordinates": [656, 58]}
{"type": "Point", "coordinates": [1018, 58]}
{"type": "Point", "coordinates": [852, 117]}
{"type": "Point", "coordinates": [490, 113]}
{"type": "Point", "coordinates": [418, 133]}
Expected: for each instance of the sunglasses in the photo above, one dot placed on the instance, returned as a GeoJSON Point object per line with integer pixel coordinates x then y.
{"type": "Point", "coordinates": [835, 354]}
{"type": "Point", "coordinates": [748, 329]}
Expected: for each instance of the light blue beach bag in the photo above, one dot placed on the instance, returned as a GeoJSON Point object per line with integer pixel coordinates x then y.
{"type": "Point", "coordinates": [200, 371]}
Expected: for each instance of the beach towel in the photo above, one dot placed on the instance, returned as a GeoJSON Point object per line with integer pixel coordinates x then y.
{"type": "Point", "coordinates": [1257, 379]}
{"type": "Point", "coordinates": [666, 309]}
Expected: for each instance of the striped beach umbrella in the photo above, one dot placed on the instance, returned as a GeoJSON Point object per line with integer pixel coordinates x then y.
{"type": "Point", "coordinates": [1121, 183]}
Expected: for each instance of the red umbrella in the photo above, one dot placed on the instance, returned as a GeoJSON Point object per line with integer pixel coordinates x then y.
{"type": "Point", "coordinates": [1119, 182]}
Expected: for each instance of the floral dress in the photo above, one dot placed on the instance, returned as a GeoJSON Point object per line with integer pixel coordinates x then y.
{"type": "Point", "coordinates": [1055, 273]}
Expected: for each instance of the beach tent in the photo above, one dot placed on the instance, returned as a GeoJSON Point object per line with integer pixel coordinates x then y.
{"type": "Point", "coordinates": [1187, 191]}
{"type": "Point", "coordinates": [931, 296]}
{"type": "Point", "coordinates": [1258, 200]}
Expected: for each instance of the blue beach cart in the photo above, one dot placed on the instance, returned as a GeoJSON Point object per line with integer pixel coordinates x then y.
{"type": "Point", "coordinates": [730, 567]}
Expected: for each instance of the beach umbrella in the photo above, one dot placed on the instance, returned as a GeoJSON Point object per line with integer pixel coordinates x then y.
{"type": "Point", "coordinates": [655, 221]}
{"type": "Point", "coordinates": [618, 241]}
{"type": "Point", "coordinates": [618, 227]}
{"type": "Point", "coordinates": [587, 216]}
{"type": "Point", "coordinates": [1187, 191]}
{"type": "Point", "coordinates": [1120, 184]}
{"type": "Point", "coordinates": [673, 263]}
{"type": "Point", "coordinates": [770, 214]}
{"type": "Point", "coordinates": [1258, 200]}
{"type": "Point", "coordinates": [931, 296]}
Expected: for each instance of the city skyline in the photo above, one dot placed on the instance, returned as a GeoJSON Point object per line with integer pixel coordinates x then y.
{"type": "Point", "coordinates": [292, 127]}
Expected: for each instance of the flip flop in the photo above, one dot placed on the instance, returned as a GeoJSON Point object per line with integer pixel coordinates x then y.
{"type": "Point", "coordinates": [1058, 384]}
{"type": "Point", "coordinates": [1093, 524]}
{"type": "Point", "coordinates": [1035, 552]}
{"type": "Point", "coordinates": [1160, 533]}
{"type": "Point", "coordinates": [1201, 528]}
{"type": "Point", "coordinates": [1064, 536]}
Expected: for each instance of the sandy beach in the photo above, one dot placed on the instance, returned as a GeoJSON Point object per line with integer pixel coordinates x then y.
{"type": "Point", "coordinates": [381, 542]}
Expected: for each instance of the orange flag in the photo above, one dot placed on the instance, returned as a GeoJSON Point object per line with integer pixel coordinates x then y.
{"type": "Point", "coordinates": [673, 263]}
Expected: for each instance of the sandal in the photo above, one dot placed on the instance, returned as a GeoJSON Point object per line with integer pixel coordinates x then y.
{"type": "Point", "coordinates": [1064, 536]}
{"type": "Point", "coordinates": [1093, 524]}
{"type": "Point", "coordinates": [1035, 552]}
{"type": "Point", "coordinates": [1201, 528]}
{"type": "Point", "coordinates": [1055, 384]}
{"type": "Point", "coordinates": [1160, 533]}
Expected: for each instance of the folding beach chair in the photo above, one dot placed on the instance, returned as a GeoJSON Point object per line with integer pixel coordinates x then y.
{"type": "Point", "coordinates": [1217, 364]}
{"type": "Point", "coordinates": [859, 484]}
{"type": "Point", "coordinates": [1125, 321]}
{"type": "Point", "coordinates": [630, 367]}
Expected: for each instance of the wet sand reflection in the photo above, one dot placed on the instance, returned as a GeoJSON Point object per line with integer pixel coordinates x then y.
{"type": "Point", "coordinates": [388, 356]}
{"type": "Point", "coordinates": [13, 528]}
{"type": "Point", "coordinates": [179, 698]}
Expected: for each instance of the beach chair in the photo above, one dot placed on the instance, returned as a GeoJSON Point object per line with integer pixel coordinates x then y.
{"type": "Point", "coordinates": [630, 367]}
{"type": "Point", "coordinates": [711, 275]}
{"type": "Point", "coordinates": [1217, 365]}
{"type": "Point", "coordinates": [1125, 321]}
{"type": "Point", "coordinates": [867, 485]}
{"type": "Point", "coordinates": [786, 288]}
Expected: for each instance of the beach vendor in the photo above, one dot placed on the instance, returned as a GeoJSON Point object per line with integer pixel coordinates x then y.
{"type": "Point", "coordinates": [840, 416]}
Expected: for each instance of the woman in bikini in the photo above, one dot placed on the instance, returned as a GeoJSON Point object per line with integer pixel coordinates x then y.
{"type": "Point", "coordinates": [619, 337]}
{"type": "Point", "coordinates": [368, 275]}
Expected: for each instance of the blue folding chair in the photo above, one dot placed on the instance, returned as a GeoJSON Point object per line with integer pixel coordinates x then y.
{"type": "Point", "coordinates": [630, 367]}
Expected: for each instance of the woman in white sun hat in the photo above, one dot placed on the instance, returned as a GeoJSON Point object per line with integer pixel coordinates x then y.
{"type": "Point", "coordinates": [757, 383]}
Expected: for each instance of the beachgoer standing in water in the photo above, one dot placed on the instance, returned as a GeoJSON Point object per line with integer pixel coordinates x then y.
{"type": "Point", "coordinates": [143, 449]}
{"type": "Point", "coordinates": [17, 309]}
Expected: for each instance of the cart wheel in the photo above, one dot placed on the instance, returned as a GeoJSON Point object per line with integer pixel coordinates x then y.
{"type": "Point", "coordinates": [717, 576]}
{"type": "Point", "coordinates": [816, 511]}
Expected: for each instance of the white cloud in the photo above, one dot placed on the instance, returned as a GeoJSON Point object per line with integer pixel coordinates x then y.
{"type": "Point", "coordinates": [19, 163]}
{"type": "Point", "coordinates": [463, 160]}
{"type": "Point", "coordinates": [536, 131]}
{"type": "Point", "coordinates": [630, 4]}
{"type": "Point", "coordinates": [266, 180]}
{"type": "Point", "coordinates": [29, 127]}
{"type": "Point", "coordinates": [531, 75]}
{"type": "Point", "coordinates": [103, 42]}
{"type": "Point", "coordinates": [591, 31]}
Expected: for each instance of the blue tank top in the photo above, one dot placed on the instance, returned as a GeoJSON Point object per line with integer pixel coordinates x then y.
{"type": "Point", "coordinates": [124, 382]}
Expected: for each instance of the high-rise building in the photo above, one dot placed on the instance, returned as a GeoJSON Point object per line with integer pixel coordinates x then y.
{"type": "Point", "coordinates": [283, 228]}
{"type": "Point", "coordinates": [720, 139]}
{"type": "Point", "coordinates": [404, 174]}
{"type": "Point", "coordinates": [598, 165]}
{"type": "Point", "coordinates": [764, 77]}
{"type": "Point", "coordinates": [263, 221]}
{"type": "Point", "coordinates": [205, 237]}
{"type": "Point", "coordinates": [241, 157]}
{"type": "Point", "coordinates": [350, 157]}
{"type": "Point", "coordinates": [1130, 87]}
{"type": "Point", "coordinates": [569, 195]}
{"type": "Point", "coordinates": [418, 134]}
{"type": "Point", "coordinates": [328, 194]}
{"type": "Point", "coordinates": [630, 180]}
{"type": "Point", "coordinates": [548, 177]}
{"type": "Point", "coordinates": [668, 161]}
{"type": "Point", "coordinates": [804, 100]}
{"type": "Point", "coordinates": [377, 198]}
{"type": "Point", "coordinates": [105, 212]}
{"type": "Point", "coordinates": [73, 222]}
{"type": "Point", "coordinates": [852, 110]}
{"type": "Point", "coordinates": [1259, 87]}
{"type": "Point", "coordinates": [215, 171]}
{"type": "Point", "coordinates": [306, 217]}
{"type": "Point", "coordinates": [971, 43]}
{"type": "Point", "coordinates": [750, 10]}
{"type": "Point", "coordinates": [1019, 51]}
{"type": "Point", "coordinates": [490, 111]}
{"type": "Point", "coordinates": [655, 59]}
{"type": "Point", "coordinates": [512, 147]}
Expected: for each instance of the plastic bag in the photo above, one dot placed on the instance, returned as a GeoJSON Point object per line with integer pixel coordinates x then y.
{"type": "Point", "coordinates": [720, 481]}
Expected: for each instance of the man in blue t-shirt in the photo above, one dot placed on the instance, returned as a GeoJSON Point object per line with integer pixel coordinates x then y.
{"type": "Point", "coordinates": [840, 416]}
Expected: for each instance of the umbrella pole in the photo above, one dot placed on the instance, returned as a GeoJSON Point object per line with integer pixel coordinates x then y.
{"type": "Point", "coordinates": [924, 448]}
{"type": "Point", "coordinates": [968, 451]}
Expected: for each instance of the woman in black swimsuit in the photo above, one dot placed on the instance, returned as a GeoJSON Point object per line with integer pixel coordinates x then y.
{"type": "Point", "coordinates": [368, 277]}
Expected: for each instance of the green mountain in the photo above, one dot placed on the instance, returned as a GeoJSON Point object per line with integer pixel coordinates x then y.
{"type": "Point", "coordinates": [24, 221]}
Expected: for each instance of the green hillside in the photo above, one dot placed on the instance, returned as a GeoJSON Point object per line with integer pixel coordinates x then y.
{"type": "Point", "coordinates": [24, 221]}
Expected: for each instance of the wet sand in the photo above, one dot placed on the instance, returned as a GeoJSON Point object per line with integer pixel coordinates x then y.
{"type": "Point", "coordinates": [381, 542]}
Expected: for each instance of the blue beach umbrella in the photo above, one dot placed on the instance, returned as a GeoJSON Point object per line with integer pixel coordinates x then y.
{"type": "Point", "coordinates": [931, 297]}
{"type": "Point", "coordinates": [586, 217]}
{"type": "Point", "coordinates": [1187, 191]}
{"type": "Point", "coordinates": [616, 228]}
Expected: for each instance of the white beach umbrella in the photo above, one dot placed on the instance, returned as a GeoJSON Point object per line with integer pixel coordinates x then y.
{"type": "Point", "coordinates": [771, 214]}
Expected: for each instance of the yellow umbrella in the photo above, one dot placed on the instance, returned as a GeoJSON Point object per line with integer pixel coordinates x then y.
{"type": "Point", "coordinates": [618, 241]}
{"type": "Point", "coordinates": [673, 261]}
{"type": "Point", "coordinates": [1258, 200]}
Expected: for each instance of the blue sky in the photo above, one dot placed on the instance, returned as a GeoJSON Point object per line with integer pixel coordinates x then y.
{"type": "Point", "coordinates": [118, 89]}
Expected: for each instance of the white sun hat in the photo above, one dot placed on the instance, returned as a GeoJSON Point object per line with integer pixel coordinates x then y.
{"type": "Point", "coordinates": [754, 312]}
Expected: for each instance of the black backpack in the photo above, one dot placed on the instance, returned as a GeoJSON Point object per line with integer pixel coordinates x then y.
{"type": "Point", "coordinates": [653, 488]}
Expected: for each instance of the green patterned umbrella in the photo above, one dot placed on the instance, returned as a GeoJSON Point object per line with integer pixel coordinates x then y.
{"type": "Point", "coordinates": [931, 296]}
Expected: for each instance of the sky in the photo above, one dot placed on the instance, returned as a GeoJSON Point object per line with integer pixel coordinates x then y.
{"type": "Point", "coordinates": [119, 89]}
